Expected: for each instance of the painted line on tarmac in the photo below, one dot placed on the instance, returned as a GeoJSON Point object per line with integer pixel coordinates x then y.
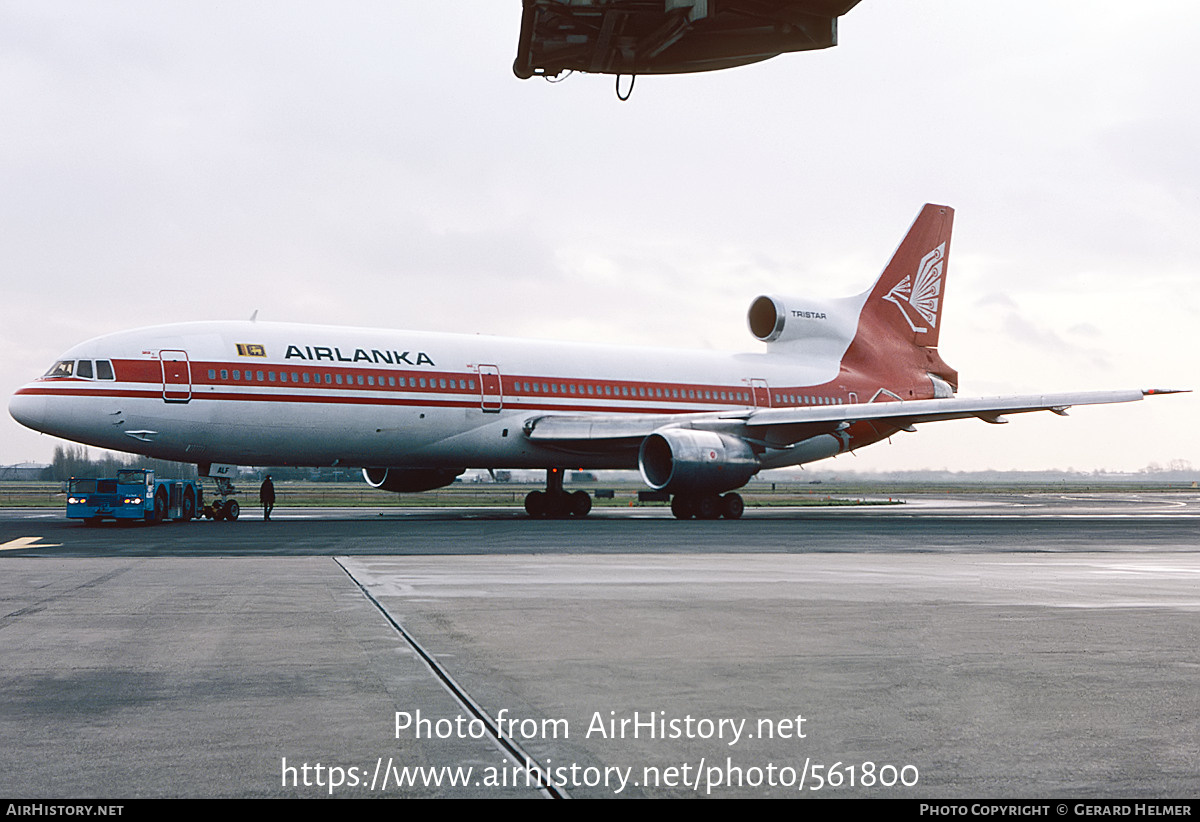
{"type": "Point", "coordinates": [504, 743]}
{"type": "Point", "coordinates": [21, 543]}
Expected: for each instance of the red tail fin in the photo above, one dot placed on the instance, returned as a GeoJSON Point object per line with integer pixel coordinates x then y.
{"type": "Point", "coordinates": [900, 322]}
{"type": "Point", "coordinates": [907, 298]}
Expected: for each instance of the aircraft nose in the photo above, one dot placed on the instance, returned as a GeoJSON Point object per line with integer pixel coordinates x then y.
{"type": "Point", "coordinates": [28, 409]}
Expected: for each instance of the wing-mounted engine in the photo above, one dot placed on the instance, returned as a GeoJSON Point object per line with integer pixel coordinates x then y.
{"type": "Point", "coordinates": [408, 480]}
{"type": "Point", "coordinates": [689, 461]}
{"type": "Point", "coordinates": [821, 327]}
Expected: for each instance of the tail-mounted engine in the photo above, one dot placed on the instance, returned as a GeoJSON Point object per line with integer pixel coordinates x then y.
{"type": "Point", "coordinates": [410, 479]}
{"type": "Point", "coordinates": [687, 461]}
{"type": "Point", "coordinates": [825, 326]}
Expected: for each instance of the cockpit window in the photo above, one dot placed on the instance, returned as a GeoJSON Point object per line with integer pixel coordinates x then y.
{"type": "Point", "coordinates": [62, 368]}
{"type": "Point", "coordinates": [83, 369]}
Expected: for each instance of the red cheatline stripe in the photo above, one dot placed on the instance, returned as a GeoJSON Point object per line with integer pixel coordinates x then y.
{"type": "Point", "coordinates": [149, 372]}
{"type": "Point", "coordinates": [509, 403]}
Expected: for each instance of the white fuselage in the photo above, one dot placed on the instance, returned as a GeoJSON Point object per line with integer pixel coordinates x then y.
{"type": "Point", "coordinates": [256, 393]}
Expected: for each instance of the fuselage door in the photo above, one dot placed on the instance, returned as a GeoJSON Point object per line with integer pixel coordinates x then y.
{"type": "Point", "coordinates": [762, 394]}
{"type": "Point", "coordinates": [491, 395]}
{"type": "Point", "coordinates": [176, 376]}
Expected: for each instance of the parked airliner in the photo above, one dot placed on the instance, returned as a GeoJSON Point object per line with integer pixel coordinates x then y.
{"type": "Point", "coordinates": [416, 409]}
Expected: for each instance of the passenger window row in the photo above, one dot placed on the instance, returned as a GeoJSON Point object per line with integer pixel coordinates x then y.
{"type": "Point", "coordinates": [652, 392]}
{"type": "Point", "coordinates": [515, 387]}
{"type": "Point", "coordinates": [316, 378]}
{"type": "Point", "coordinates": [522, 387]}
{"type": "Point", "coordinates": [797, 399]}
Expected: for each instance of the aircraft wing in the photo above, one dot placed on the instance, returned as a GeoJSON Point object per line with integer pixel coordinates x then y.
{"type": "Point", "coordinates": [779, 427]}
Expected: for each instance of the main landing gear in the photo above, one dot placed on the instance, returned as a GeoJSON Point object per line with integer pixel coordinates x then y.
{"type": "Point", "coordinates": [707, 506]}
{"type": "Point", "coordinates": [554, 502]}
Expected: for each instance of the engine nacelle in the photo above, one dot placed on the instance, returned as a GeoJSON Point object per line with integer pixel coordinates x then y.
{"type": "Point", "coordinates": [824, 326]}
{"type": "Point", "coordinates": [410, 479]}
{"type": "Point", "coordinates": [683, 460]}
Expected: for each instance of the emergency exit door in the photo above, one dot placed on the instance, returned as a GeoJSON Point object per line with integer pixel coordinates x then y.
{"type": "Point", "coordinates": [762, 394]}
{"type": "Point", "coordinates": [176, 376]}
{"type": "Point", "coordinates": [491, 394]}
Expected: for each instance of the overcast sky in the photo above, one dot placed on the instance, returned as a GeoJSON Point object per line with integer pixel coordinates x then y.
{"type": "Point", "coordinates": [378, 164]}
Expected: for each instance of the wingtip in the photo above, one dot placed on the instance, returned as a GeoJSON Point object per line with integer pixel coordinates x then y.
{"type": "Point", "coordinates": [1146, 392]}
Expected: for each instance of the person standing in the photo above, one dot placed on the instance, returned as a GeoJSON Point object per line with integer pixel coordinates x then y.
{"type": "Point", "coordinates": [266, 496]}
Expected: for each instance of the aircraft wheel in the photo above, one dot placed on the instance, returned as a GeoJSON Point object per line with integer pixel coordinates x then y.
{"type": "Point", "coordinates": [535, 504]}
{"type": "Point", "coordinates": [708, 506]}
{"type": "Point", "coordinates": [732, 506]}
{"type": "Point", "coordinates": [682, 506]}
{"type": "Point", "coordinates": [232, 509]}
{"type": "Point", "coordinates": [558, 505]}
{"type": "Point", "coordinates": [189, 505]}
{"type": "Point", "coordinates": [581, 503]}
{"type": "Point", "coordinates": [218, 510]}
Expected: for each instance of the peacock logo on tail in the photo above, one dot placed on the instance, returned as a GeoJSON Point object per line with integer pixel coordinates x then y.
{"type": "Point", "coordinates": [922, 294]}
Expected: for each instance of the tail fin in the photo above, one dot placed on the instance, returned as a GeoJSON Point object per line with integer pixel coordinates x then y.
{"type": "Point", "coordinates": [898, 328]}
{"type": "Point", "coordinates": [907, 297]}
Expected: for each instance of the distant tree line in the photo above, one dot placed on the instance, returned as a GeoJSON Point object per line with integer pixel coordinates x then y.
{"type": "Point", "coordinates": [76, 461]}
